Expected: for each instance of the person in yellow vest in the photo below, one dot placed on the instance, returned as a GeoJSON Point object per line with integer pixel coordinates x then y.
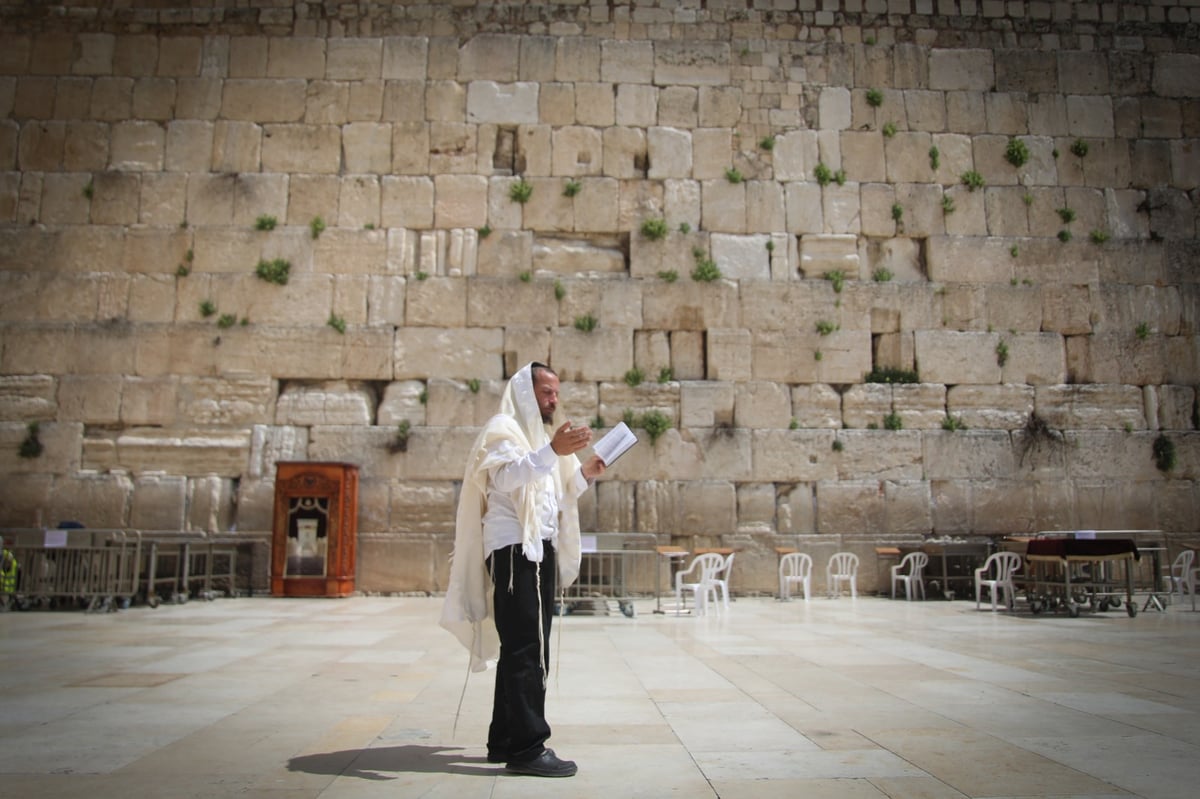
{"type": "Point", "coordinates": [8, 574]}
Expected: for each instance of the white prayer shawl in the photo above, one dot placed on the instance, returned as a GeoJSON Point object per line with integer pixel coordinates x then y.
{"type": "Point", "coordinates": [467, 610]}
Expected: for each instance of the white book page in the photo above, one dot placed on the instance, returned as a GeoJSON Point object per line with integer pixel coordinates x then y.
{"type": "Point", "coordinates": [615, 443]}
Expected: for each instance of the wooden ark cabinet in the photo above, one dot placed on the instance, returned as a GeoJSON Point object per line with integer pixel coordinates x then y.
{"type": "Point", "coordinates": [315, 528]}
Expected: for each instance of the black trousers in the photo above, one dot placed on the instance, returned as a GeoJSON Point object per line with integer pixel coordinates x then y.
{"type": "Point", "coordinates": [519, 729]}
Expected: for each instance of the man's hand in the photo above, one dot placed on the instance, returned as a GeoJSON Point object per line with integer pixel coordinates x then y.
{"type": "Point", "coordinates": [593, 468]}
{"type": "Point", "coordinates": [568, 440]}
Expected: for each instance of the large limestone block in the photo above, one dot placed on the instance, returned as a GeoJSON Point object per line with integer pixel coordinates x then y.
{"type": "Point", "coordinates": [626, 62]}
{"type": "Point", "coordinates": [353, 58]}
{"type": "Point", "coordinates": [1175, 73]}
{"type": "Point", "coordinates": [970, 70]}
{"type": "Point", "coordinates": [602, 354]}
{"type": "Point", "coordinates": [822, 254]}
{"type": "Point", "coordinates": [436, 302]}
{"type": "Point", "coordinates": [816, 405]}
{"type": "Point", "coordinates": [296, 57]}
{"type": "Point", "coordinates": [27, 398]}
{"type": "Point", "coordinates": [790, 456]}
{"type": "Point", "coordinates": [611, 303]}
{"type": "Point", "coordinates": [461, 201]}
{"type": "Point", "coordinates": [149, 400]}
{"type": "Point", "coordinates": [407, 202]}
{"type": "Point", "coordinates": [637, 105]}
{"type": "Point", "coordinates": [862, 155]}
{"type": "Point", "coordinates": [742, 257]}
{"type": "Point", "coordinates": [264, 101]}
{"type": "Point", "coordinates": [294, 352]}
{"type": "Point", "coordinates": [865, 404]}
{"type": "Point", "coordinates": [920, 406]}
{"type": "Point", "coordinates": [256, 195]}
{"type": "Point", "coordinates": [411, 148]}
{"type": "Point", "coordinates": [1091, 406]}
{"type": "Point", "coordinates": [61, 446]}
{"type": "Point", "coordinates": [1089, 116]}
{"type": "Point", "coordinates": [907, 155]}
{"type": "Point", "coordinates": [189, 145]}
{"type": "Point", "coordinates": [843, 507]}
{"type": "Point", "coordinates": [270, 444]}
{"type": "Point", "coordinates": [454, 403]}
{"type": "Point", "coordinates": [968, 259]}
{"type": "Point", "coordinates": [765, 208]}
{"type": "Point", "coordinates": [706, 404]}
{"type": "Point", "coordinates": [569, 256]}
{"type": "Point", "coordinates": [687, 354]}
{"type": "Point", "coordinates": [596, 207]}
{"type": "Point", "coordinates": [1113, 455]}
{"type": "Point", "coordinates": [969, 454]}
{"type": "Point", "coordinates": [506, 253]}
{"type": "Point", "coordinates": [137, 146]}
{"type": "Point", "coordinates": [756, 514]}
{"type": "Point", "coordinates": [1006, 112]}
{"type": "Point", "coordinates": [1017, 308]}
{"type": "Point", "coordinates": [805, 213]}
{"type": "Point", "coordinates": [925, 110]}
{"type": "Point", "coordinates": [187, 451]}
{"type": "Point", "coordinates": [691, 63]}
{"type": "Point", "coordinates": [495, 303]}
{"type": "Point", "coordinates": [422, 507]}
{"type": "Point", "coordinates": [670, 153]}
{"type": "Point", "coordinates": [438, 453]}
{"type": "Point", "coordinates": [952, 357]}
{"type": "Point", "coordinates": [712, 150]}
{"type": "Point", "coordinates": [922, 214]}
{"type": "Point", "coordinates": [842, 208]}
{"type": "Point", "coordinates": [325, 403]}
{"type": "Point", "coordinates": [463, 353]}
{"type": "Point", "coordinates": [795, 155]}
{"type": "Point", "coordinates": [761, 404]}
{"type": "Point", "coordinates": [692, 306]}
{"type": "Point", "coordinates": [403, 400]}
{"type": "Point", "coordinates": [625, 152]}
{"type": "Point", "coordinates": [730, 354]}
{"type": "Point", "coordinates": [370, 448]}
{"type": "Point", "coordinates": [787, 356]}
{"type": "Point", "coordinates": [302, 148]}
{"type": "Point", "coordinates": [502, 103]}
{"type": "Point", "coordinates": [367, 147]}
{"type": "Point", "coordinates": [616, 399]}
{"type": "Point", "coordinates": [158, 502]}
{"type": "Point", "coordinates": [595, 104]}
{"type": "Point", "coordinates": [226, 400]}
{"type": "Point", "coordinates": [545, 210]}
{"type": "Point", "coordinates": [1035, 358]}
{"type": "Point", "coordinates": [1174, 407]}
{"type": "Point", "coordinates": [577, 151]}
{"type": "Point", "coordinates": [96, 500]}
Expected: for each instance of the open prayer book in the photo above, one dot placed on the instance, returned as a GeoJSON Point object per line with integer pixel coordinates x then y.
{"type": "Point", "coordinates": [614, 443]}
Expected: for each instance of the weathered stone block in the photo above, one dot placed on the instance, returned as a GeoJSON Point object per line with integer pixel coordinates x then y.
{"type": "Point", "coordinates": [706, 404]}
{"type": "Point", "coordinates": [1095, 406]}
{"type": "Point", "coordinates": [602, 354]}
{"type": "Point", "coordinates": [438, 352]}
{"type": "Point", "coordinates": [760, 404]}
{"type": "Point", "coordinates": [971, 70]}
{"type": "Point", "coordinates": [1002, 407]}
{"type": "Point", "coordinates": [690, 63]}
{"type": "Point", "coordinates": [692, 306]}
{"type": "Point", "coordinates": [823, 254]}
{"type": "Point", "coordinates": [793, 455]}
{"type": "Point", "coordinates": [795, 155]}
{"type": "Point", "coordinates": [353, 58]}
{"type": "Point", "coordinates": [502, 103]}
{"type": "Point", "coordinates": [947, 356]}
{"type": "Point", "coordinates": [302, 148]}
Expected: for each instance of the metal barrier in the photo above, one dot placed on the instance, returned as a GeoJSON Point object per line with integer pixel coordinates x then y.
{"type": "Point", "coordinates": [181, 565]}
{"type": "Point", "coordinates": [615, 568]}
{"type": "Point", "coordinates": [98, 568]}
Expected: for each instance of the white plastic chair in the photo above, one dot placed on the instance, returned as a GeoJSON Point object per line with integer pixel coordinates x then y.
{"type": "Point", "coordinates": [1006, 564]}
{"type": "Point", "coordinates": [701, 570]}
{"type": "Point", "coordinates": [1181, 576]}
{"type": "Point", "coordinates": [914, 563]}
{"type": "Point", "coordinates": [842, 568]}
{"type": "Point", "coordinates": [721, 579]}
{"type": "Point", "coordinates": [795, 567]}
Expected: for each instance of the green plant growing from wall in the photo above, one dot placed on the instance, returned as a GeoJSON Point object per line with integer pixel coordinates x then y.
{"type": "Point", "coordinates": [597, 423]}
{"type": "Point", "coordinates": [521, 191]}
{"type": "Point", "coordinates": [770, 245]}
{"type": "Point", "coordinates": [889, 129]}
{"type": "Point", "coordinates": [947, 204]}
{"type": "Point", "coordinates": [837, 445]}
{"type": "Point", "coordinates": [972, 180]}
{"type": "Point", "coordinates": [31, 446]}
{"type": "Point", "coordinates": [185, 268]}
{"type": "Point", "coordinates": [882, 275]}
{"type": "Point", "coordinates": [893, 421]}
{"type": "Point", "coordinates": [421, 274]}
{"type": "Point", "coordinates": [265, 222]}
{"type": "Point", "coordinates": [935, 158]}
{"type": "Point", "coordinates": [874, 98]}
{"type": "Point", "coordinates": [274, 271]}
{"type": "Point", "coordinates": [1014, 251]}
{"type": "Point", "coordinates": [883, 374]}
{"type": "Point", "coordinates": [634, 377]}
{"type": "Point", "coordinates": [337, 323]}
{"type": "Point", "coordinates": [794, 424]}
{"type": "Point", "coordinates": [839, 177]}
{"type": "Point", "coordinates": [825, 327]}
{"type": "Point", "coordinates": [586, 323]}
{"type": "Point", "coordinates": [1064, 235]}
{"type": "Point", "coordinates": [733, 175]}
{"type": "Point", "coordinates": [560, 291]}
{"type": "Point", "coordinates": [226, 320]}
{"type": "Point", "coordinates": [1164, 453]}
{"type": "Point", "coordinates": [654, 228]}
{"type": "Point", "coordinates": [1001, 353]}
{"type": "Point", "coordinates": [525, 276]}
{"type": "Point", "coordinates": [1067, 215]}
{"type": "Point", "coordinates": [897, 212]}
{"type": "Point", "coordinates": [572, 188]}
{"type": "Point", "coordinates": [666, 374]}
{"type": "Point", "coordinates": [207, 308]}
{"type": "Point", "coordinates": [369, 226]}
{"type": "Point", "coordinates": [473, 385]}
{"type": "Point", "coordinates": [1098, 236]}
{"type": "Point", "coordinates": [484, 231]}
{"type": "Point", "coordinates": [767, 143]}
{"type": "Point", "coordinates": [953, 423]}
{"type": "Point", "coordinates": [400, 442]}
{"type": "Point", "coordinates": [836, 277]}
{"type": "Point", "coordinates": [1016, 153]}
{"type": "Point", "coordinates": [668, 275]}
{"type": "Point", "coordinates": [1027, 198]}
{"type": "Point", "coordinates": [89, 189]}
{"type": "Point", "coordinates": [655, 423]}
{"type": "Point", "coordinates": [822, 173]}
{"type": "Point", "coordinates": [1079, 148]}
{"type": "Point", "coordinates": [316, 226]}
{"type": "Point", "coordinates": [706, 270]}
{"type": "Point", "coordinates": [1142, 331]}
{"type": "Point", "coordinates": [685, 228]}
{"type": "Point", "coordinates": [818, 355]}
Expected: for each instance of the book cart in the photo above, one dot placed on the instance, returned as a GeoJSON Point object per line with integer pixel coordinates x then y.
{"type": "Point", "coordinates": [1076, 574]}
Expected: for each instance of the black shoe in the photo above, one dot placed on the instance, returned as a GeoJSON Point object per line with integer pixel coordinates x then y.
{"type": "Point", "coordinates": [497, 757]}
{"type": "Point", "coordinates": [547, 764]}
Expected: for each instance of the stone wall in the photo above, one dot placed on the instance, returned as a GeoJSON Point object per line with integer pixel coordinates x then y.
{"type": "Point", "coordinates": [1000, 197]}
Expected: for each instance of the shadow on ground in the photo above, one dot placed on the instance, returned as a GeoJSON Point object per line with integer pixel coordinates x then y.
{"type": "Point", "coordinates": [387, 763]}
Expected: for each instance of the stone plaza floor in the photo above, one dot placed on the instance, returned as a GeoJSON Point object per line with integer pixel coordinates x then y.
{"type": "Point", "coordinates": [356, 697]}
